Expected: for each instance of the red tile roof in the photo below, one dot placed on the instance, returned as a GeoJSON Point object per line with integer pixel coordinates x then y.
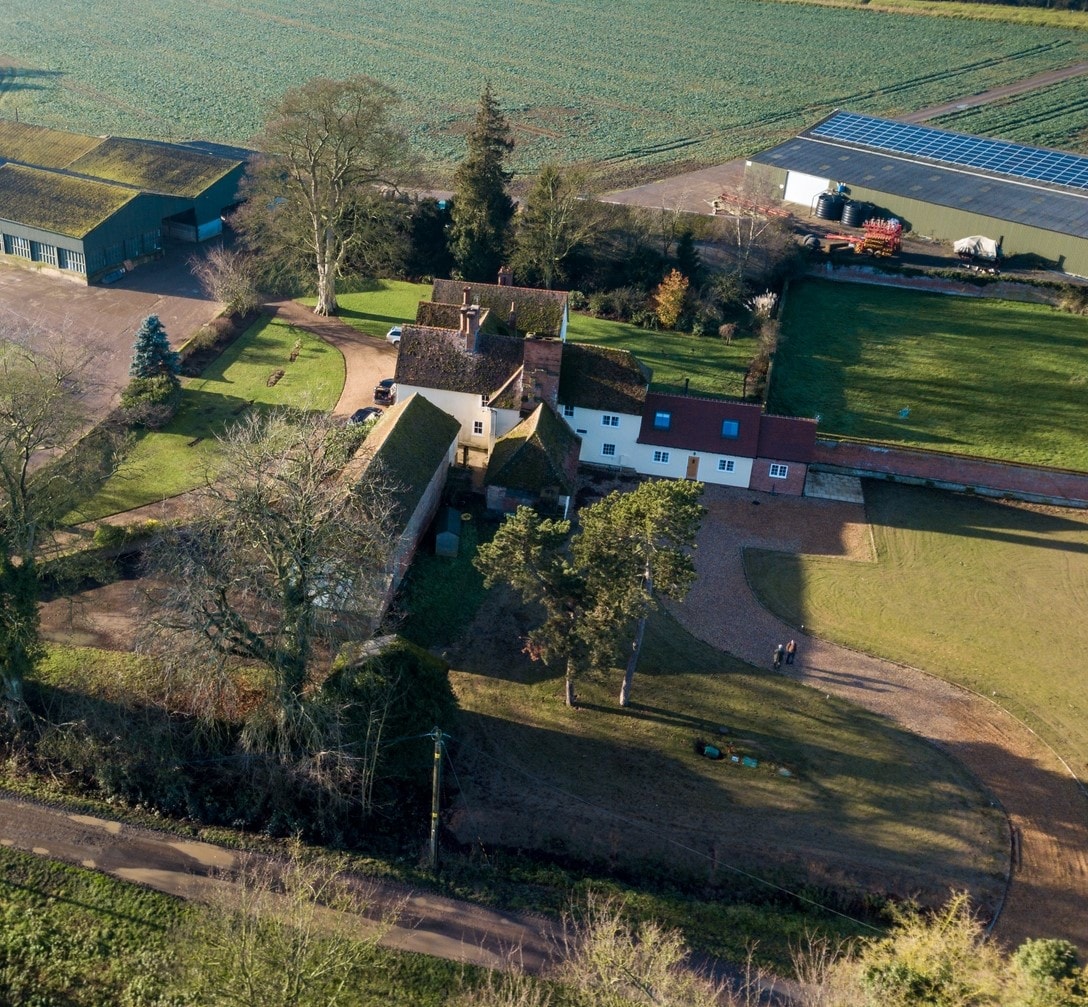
{"type": "Point", "coordinates": [696, 425]}
{"type": "Point", "coordinates": [787, 438]}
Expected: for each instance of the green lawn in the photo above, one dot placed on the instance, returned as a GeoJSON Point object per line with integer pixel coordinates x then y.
{"type": "Point", "coordinates": [864, 807]}
{"type": "Point", "coordinates": [384, 304]}
{"type": "Point", "coordinates": [985, 594]}
{"type": "Point", "coordinates": [969, 375]}
{"type": "Point", "coordinates": [183, 454]}
{"type": "Point", "coordinates": [713, 366]}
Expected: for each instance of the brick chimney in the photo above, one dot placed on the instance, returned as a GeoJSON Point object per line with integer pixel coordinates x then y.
{"type": "Point", "coordinates": [470, 323]}
{"type": "Point", "coordinates": [542, 359]}
{"type": "Point", "coordinates": [506, 276]}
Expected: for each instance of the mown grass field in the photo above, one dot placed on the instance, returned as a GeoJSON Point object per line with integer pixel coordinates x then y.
{"type": "Point", "coordinates": [975, 376]}
{"type": "Point", "coordinates": [383, 304]}
{"type": "Point", "coordinates": [608, 82]}
{"type": "Point", "coordinates": [986, 594]}
{"type": "Point", "coordinates": [866, 804]}
{"type": "Point", "coordinates": [865, 807]}
{"type": "Point", "coordinates": [181, 456]}
{"type": "Point", "coordinates": [712, 366]}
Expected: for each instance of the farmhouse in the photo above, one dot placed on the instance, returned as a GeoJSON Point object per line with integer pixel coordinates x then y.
{"type": "Point", "coordinates": [941, 184]}
{"type": "Point", "coordinates": [88, 205]}
{"type": "Point", "coordinates": [507, 389]}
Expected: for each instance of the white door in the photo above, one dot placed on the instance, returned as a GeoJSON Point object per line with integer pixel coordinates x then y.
{"type": "Point", "coordinates": [804, 189]}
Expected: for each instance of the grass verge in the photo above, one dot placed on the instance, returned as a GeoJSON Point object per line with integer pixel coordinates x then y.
{"type": "Point", "coordinates": [76, 937]}
{"type": "Point", "coordinates": [185, 453]}
{"type": "Point", "coordinates": [968, 375]}
{"type": "Point", "coordinates": [986, 594]}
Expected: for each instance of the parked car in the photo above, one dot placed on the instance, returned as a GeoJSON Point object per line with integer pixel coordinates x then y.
{"type": "Point", "coordinates": [393, 335]}
{"type": "Point", "coordinates": [385, 391]}
{"type": "Point", "coordinates": [364, 414]}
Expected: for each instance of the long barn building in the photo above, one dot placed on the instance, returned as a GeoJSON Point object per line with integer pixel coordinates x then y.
{"type": "Point", "coordinates": [941, 184]}
{"type": "Point", "coordinates": [88, 205]}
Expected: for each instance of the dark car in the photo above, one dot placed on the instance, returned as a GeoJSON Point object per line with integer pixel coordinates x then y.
{"type": "Point", "coordinates": [386, 391]}
{"type": "Point", "coordinates": [362, 415]}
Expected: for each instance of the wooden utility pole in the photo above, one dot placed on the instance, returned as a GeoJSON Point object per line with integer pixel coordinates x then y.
{"type": "Point", "coordinates": [436, 785]}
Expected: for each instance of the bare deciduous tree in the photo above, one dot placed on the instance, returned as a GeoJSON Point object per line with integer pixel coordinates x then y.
{"type": "Point", "coordinates": [283, 560]}
{"type": "Point", "coordinates": [329, 146]}
{"type": "Point", "coordinates": [41, 413]}
{"type": "Point", "coordinates": [228, 275]}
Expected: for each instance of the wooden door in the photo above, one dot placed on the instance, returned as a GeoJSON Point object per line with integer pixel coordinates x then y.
{"type": "Point", "coordinates": [693, 467]}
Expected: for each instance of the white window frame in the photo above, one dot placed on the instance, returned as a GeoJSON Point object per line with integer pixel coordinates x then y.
{"type": "Point", "coordinates": [568, 410]}
{"type": "Point", "coordinates": [610, 420]}
{"type": "Point", "coordinates": [778, 471]}
{"type": "Point", "coordinates": [608, 450]}
{"type": "Point", "coordinates": [726, 465]}
{"type": "Point", "coordinates": [484, 399]}
{"type": "Point", "coordinates": [661, 457]}
{"type": "Point", "coordinates": [478, 428]}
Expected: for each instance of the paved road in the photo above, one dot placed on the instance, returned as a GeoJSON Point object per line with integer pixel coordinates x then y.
{"type": "Point", "coordinates": [101, 321]}
{"type": "Point", "coordinates": [1048, 896]}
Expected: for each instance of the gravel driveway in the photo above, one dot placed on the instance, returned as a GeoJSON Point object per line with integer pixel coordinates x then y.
{"type": "Point", "coordinates": [1048, 895]}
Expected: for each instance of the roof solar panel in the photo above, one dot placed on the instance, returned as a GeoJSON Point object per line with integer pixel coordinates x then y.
{"type": "Point", "coordinates": [1000, 156]}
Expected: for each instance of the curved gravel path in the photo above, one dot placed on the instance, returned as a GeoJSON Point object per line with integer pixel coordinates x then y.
{"type": "Point", "coordinates": [1048, 896]}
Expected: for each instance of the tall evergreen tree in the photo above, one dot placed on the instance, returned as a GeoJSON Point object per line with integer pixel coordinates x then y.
{"type": "Point", "coordinates": [482, 209]}
{"type": "Point", "coordinates": [152, 356]}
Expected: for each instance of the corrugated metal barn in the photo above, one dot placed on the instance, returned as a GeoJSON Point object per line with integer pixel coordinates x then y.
{"type": "Point", "coordinates": [942, 184]}
{"type": "Point", "coordinates": [88, 205]}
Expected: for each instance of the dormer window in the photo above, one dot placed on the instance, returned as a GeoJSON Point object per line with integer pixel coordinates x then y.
{"type": "Point", "coordinates": [662, 420]}
{"type": "Point", "coordinates": [730, 429]}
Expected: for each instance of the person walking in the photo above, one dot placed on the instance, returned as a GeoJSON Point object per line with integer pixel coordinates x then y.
{"type": "Point", "coordinates": [791, 651]}
{"type": "Point", "coordinates": [779, 653]}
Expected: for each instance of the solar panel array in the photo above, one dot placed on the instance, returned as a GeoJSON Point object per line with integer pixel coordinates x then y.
{"type": "Point", "coordinates": [959, 149]}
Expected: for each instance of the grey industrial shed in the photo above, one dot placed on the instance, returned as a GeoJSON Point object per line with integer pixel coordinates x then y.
{"type": "Point", "coordinates": [87, 205]}
{"type": "Point", "coordinates": [942, 184]}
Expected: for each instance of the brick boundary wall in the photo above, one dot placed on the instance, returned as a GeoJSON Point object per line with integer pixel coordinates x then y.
{"type": "Point", "coordinates": [989, 478]}
{"type": "Point", "coordinates": [1004, 290]}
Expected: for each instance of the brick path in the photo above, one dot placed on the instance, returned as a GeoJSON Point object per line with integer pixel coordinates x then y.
{"type": "Point", "coordinates": [1049, 890]}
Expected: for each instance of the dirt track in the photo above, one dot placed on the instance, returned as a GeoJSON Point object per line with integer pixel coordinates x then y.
{"type": "Point", "coordinates": [1049, 891]}
{"type": "Point", "coordinates": [427, 924]}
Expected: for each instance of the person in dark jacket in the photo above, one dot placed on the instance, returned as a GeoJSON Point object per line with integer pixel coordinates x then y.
{"type": "Point", "coordinates": [779, 653]}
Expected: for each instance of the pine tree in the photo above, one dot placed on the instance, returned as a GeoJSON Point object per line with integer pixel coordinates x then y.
{"type": "Point", "coordinates": [152, 356]}
{"type": "Point", "coordinates": [482, 209]}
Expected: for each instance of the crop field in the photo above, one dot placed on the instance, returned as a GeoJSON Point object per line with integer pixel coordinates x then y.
{"type": "Point", "coordinates": [1054, 117]}
{"type": "Point", "coordinates": [972, 376]}
{"type": "Point", "coordinates": [613, 83]}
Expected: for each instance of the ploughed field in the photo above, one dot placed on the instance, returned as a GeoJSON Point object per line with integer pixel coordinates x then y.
{"type": "Point", "coordinates": [609, 82]}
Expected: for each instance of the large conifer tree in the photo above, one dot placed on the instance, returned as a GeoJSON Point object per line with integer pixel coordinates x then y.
{"type": "Point", "coordinates": [152, 356]}
{"type": "Point", "coordinates": [482, 209]}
